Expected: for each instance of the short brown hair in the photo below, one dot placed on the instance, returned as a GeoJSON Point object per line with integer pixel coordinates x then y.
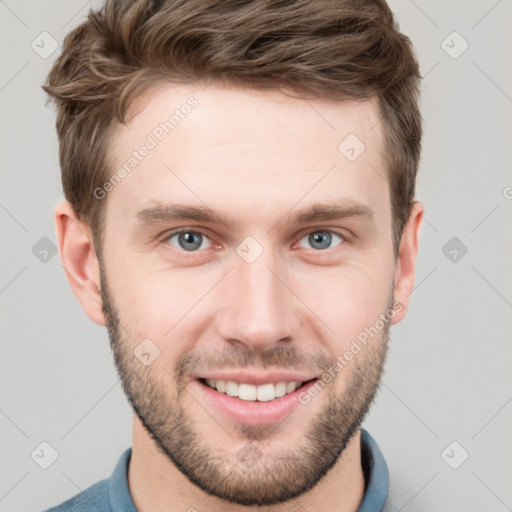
{"type": "Point", "coordinates": [329, 49]}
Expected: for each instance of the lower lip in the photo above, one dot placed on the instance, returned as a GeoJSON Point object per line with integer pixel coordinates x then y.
{"type": "Point", "coordinates": [253, 413]}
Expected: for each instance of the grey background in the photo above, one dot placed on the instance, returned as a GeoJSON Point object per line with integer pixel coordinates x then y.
{"type": "Point", "coordinates": [448, 377]}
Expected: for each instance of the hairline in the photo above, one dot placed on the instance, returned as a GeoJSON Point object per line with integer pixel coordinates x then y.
{"type": "Point", "coordinates": [97, 220]}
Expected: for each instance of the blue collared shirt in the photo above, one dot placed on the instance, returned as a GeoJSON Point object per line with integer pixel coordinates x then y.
{"type": "Point", "coordinates": [113, 494]}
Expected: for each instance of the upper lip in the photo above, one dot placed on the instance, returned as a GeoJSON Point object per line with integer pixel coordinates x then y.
{"type": "Point", "coordinates": [257, 379]}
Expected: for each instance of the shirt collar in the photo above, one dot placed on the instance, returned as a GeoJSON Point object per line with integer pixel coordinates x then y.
{"type": "Point", "coordinates": [118, 490]}
{"type": "Point", "coordinates": [374, 467]}
{"type": "Point", "coordinates": [376, 475]}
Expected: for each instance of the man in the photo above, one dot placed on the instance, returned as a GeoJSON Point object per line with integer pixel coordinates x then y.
{"type": "Point", "coordinates": [240, 214]}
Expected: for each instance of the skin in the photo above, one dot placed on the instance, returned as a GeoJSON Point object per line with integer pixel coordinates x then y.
{"type": "Point", "coordinates": [255, 157]}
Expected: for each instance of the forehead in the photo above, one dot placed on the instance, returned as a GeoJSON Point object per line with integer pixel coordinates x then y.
{"type": "Point", "coordinates": [241, 149]}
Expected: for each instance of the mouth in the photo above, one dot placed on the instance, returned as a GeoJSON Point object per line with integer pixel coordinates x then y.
{"type": "Point", "coordinates": [254, 397]}
{"type": "Point", "coordinates": [267, 392]}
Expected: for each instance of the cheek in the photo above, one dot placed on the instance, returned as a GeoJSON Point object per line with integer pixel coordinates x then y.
{"type": "Point", "coordinates": [156, 301]}
{"type": "Point", "coordinates": [348, 301]}
{"type": "Point", "coordinates": [137, 301]}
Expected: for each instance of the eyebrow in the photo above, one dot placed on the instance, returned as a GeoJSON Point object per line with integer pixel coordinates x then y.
{"type": "Point", "coordinates": [175, 212]}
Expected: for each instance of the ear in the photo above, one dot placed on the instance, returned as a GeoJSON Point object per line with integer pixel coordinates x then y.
{"type": "Point", "coordinates": [406, 262]}
{"type": "Point", "coordinates": [79, 260]}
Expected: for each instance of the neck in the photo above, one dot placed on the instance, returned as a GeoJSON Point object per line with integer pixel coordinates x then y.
{"type": "Point", "coordinates": [156, 484]}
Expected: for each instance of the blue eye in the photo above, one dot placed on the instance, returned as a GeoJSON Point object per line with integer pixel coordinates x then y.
{"type": "Point", "coordinates": [192, 241]}
{"type": "Point", "coordinates": [189, 240]}
{"type": "Point", "coordinates": [321, 239]}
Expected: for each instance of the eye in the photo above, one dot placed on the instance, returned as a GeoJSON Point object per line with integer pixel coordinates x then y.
{"type": "Point", "coordinates": [321, 239]}
{"type": "Point", "coordinates": [189, 240]}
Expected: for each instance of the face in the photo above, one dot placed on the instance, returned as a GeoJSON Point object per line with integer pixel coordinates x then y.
{"type": "Point", "coordinates": [247, 253]}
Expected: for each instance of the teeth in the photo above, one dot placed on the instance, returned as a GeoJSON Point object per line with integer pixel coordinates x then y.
{"type": "Point", "coordinates": [251, 393]}
{"type": "Point", "coordinates": [266, 392]}
{"type": "Point", "coordinates": [231, 388]}
{"type": "Point", "coordinates": [291, 386]}
{"type": "Point", "coordinates": [280, 389]}
{"type": "Point", "coordinates": [247, 392]}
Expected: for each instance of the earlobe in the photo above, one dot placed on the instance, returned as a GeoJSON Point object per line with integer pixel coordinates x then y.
{"type": "Point", "coordinates": [406, 262]}
{"type": "Point", "coordinates": [79, 260]}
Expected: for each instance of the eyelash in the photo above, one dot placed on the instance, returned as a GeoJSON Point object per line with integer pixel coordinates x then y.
{"type": "Point", "coordinates": [165, 238]}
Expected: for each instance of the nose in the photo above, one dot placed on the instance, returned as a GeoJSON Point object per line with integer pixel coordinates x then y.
{"type": "Point", "coordinates": [257, 309]}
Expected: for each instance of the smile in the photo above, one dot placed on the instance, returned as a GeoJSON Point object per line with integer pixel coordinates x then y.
{"type": "Point", "coordinates": [252, 393]}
